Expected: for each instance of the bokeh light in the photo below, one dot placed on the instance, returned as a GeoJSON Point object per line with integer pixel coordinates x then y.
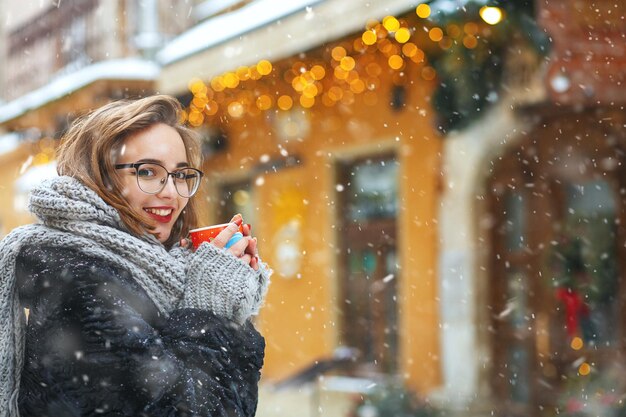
{"type": "Point", "coordinates": [403, 35]}
{"type": "Point", "coordinates": [236, 109]}
{"type": "Point", "coordinates": [391, 23]}
{"type": "Point", "coordinates": [577, 343]}
{"type": "Point", "coordinates": [347, 63]}
{"type": "Point", "coordinates": [264, 102]}
{"type": "Point", "coordinates": [584, 369]}
{"type": "Point", "coordinates": [423, 11]}
{"type": "Point", "coordinates": [491, 15]}
{"type": "Point", "coordinates": [338, 52]}
{"type": "Point", "coordinates": [395, 62]}
{"type": "Point", "coordinates": [264, 67]}
{"type": "Point", "coordinates": [369, 37]}
{"type": "Point", "coordinates": [435, 34]}
{"type": "Point", "coordinates": [284, 102]}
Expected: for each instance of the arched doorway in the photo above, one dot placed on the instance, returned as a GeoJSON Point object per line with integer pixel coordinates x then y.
{"type": "Point", "coordinates": [557, 205]}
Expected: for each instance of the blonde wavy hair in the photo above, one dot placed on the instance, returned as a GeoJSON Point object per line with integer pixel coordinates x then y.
{"type": "Point", "coordinates": [89, 150]}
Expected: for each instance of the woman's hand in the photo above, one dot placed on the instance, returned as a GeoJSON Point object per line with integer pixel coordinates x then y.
{"type": "Point", "coordinates": [246, 248]}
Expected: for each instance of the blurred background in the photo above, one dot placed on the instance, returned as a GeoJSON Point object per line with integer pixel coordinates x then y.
{"type": "Point", "coordinates": [439, 186]}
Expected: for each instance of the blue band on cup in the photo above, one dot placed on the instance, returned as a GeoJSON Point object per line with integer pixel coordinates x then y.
{"type": "Point", "coordinates": [236, 238]}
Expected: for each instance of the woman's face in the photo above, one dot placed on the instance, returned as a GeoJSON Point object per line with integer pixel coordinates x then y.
{"type": "Point", "coordinates": [160, 144]}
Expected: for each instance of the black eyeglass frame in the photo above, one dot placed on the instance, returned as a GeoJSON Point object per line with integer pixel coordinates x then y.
{"type": "Point", "coordinates": [136, 166]}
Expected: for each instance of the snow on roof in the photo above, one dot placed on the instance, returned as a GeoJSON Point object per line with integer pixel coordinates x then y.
{"type": "Point", "coordinates": [115, 69]}
{"type": "Point", "coordinates": [9, 142]}
{"type": "Point", "coordinates": [450, 6]}
{"type": "Point", "coordinates": [34, 176]}
{"type": "Point", "coordinates": [227, 26]}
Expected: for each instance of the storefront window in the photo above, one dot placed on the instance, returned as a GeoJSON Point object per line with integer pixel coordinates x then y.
{"type": "Point", "coordinates": [368, 300]}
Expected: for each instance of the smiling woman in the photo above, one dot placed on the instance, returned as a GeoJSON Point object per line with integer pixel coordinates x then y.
{"type": "Point", "coordinates": [125, 318]}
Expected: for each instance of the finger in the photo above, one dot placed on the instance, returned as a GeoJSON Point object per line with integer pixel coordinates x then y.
{"type": "Point", "coordinates": [246, 259]}
{"type": "Point", "coordinates": [254, 263]}
{"type": "Point", "coordinates": [239, 248]}
{"type": "Point", "coordinates": [237, 217]}
{"type": "Point", "coordinates": [246, 229]}
{"type": "Point", "coordinates": [224, 236]}
{"type": "Point", "coordinates": [184, 243]}
{"type": "Point", "coordinates": [252, 247]}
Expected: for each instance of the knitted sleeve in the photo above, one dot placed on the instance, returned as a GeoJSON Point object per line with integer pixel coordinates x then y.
{"type": "Point", "coordinates": [221, 283]}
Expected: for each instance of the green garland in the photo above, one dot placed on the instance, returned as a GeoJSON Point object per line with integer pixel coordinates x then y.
{"type": "Point", "coordinates": [470, 79]}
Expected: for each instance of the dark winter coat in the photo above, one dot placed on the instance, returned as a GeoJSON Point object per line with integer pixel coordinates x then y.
{"type": "Point", "coordinates": [97, 345]}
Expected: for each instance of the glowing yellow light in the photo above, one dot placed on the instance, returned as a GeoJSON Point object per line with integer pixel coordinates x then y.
{"type": "Point", "coordinates": [200, 101]}
{"type": "Point", "coordinates": [428, 73]}
{"type": "Point", "coordinates": [357, 86]}
{"type": "Point", "coordinates": [264, 102]}
{"type": "Point", "coordinates": [584, 369]}
{"type": "Point", "coordinates": [335, 93]}
{"type": "Point", "coordinates": [195, 118]}
{"type": "Point", "coordinates": [308, 77]}
{"type": "Point", "coordinates": [435, 34]}
{"type": "Point", "coordinates": [340, 73]}
{"type": "Point", "coordinates": [423, 11]}
{"type": "Point", "coordinates": [403, 35]}
{"type": "Point", "coordinates": [358, 45]}
{"type": "Point", "coordinates": [211, 108]}
{"type": "Point", "coordinates": [347, 63]}
{"type": "Point", "coordinates": [369, 37]}
{"type": "Point", "coordinates": [491, 15]}
{"type": "Point", "coordinates": [235, 109]}
{"type": "Point", "coordinates": [217, 83]}
{"type": "Point", "coordinates": [310, 90]}
{"type": "Point", "coordinates": [196, 86]}
{"type": "Point", "coordinates": [318, 72]}
{"type": "Point", "coordinates": [409, 49]}
{"type": "Point", "coordinates": [307, 102]}
{"type": "Point", "coordinates": [264, 67]}
{"type": "Point", "coordinates": [284, 102]}
{"type": "Point", "coordinates": [298, 84]}
{"type": "Point", "coordinates": [243, 73]}
{"type": "Point", "coordinates": [470, 42]}
{"type": "Point", "coordinates": [231, 80]}
{"type": "Point", "coordinates": [373, 69]}
{"type": "Point", "coordinates": [391, 23]}
{"type": "Point", "coordinates": [254, 73]}
{"type": "Point", "coordinates": [395, 62]}
{"type": "Point", "coordinates": [577, 343]}
{"type": "Point", "coordinates": [338, 53]}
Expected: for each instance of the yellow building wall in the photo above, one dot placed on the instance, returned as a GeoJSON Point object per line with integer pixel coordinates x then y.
{"type": "Point", "coordinates": [12, 164]}
{"type": "Point", "coordinates": [300, 320]}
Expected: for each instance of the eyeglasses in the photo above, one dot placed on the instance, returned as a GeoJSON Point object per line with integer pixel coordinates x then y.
{"type": "Point", "coordinates": [152, 178]}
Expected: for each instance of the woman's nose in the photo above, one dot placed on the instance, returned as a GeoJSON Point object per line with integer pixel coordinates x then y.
{"type": "Point", "coordinates": [169, 189]}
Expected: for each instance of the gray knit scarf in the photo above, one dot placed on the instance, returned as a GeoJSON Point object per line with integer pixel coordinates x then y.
{"type": "Point", "coordinates": [75, 217]}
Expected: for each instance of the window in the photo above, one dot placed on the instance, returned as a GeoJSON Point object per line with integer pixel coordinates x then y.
{"type": "Point", "coordinates": [369, 273]}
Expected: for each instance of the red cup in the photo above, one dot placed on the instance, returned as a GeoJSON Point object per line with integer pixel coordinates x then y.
{"type": "Point", "coordinates": [207, 234]}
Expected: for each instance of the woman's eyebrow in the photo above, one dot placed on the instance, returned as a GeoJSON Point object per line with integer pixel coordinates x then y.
{"type": "Point", "coordinates": [158, 161]}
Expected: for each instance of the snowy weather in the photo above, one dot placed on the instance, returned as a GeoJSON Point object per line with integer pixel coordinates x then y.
{"type": "Point", "coordinates": [376, 208]}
